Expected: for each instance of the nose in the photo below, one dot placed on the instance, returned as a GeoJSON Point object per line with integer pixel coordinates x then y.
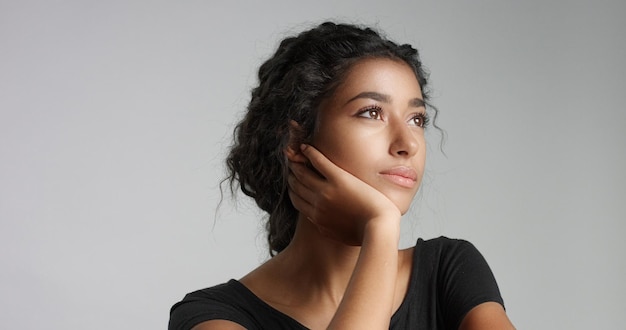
{"type": "Point", "coordinates": [404, 141]}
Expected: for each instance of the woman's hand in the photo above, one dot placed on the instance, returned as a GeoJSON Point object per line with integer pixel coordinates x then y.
{"type": "Point", "coordinates": [338, 203]}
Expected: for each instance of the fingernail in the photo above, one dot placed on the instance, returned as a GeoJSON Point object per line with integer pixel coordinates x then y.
{"type": "Point", "coordinates": [303, 147]}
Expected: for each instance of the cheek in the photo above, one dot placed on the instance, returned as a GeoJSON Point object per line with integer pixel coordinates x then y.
{"type": "Point", "coordinates": [353, 152]}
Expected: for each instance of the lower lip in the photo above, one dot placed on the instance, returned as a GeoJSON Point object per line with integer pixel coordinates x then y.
{"type": "Point", "coordinates": [400, 180]}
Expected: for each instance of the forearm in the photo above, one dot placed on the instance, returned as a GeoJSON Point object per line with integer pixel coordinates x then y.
{"type": "Point", "coordinates": [368, 300]}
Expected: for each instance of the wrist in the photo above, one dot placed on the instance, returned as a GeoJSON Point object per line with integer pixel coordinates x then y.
{"type": "Point", "coordinates": [382, 229]}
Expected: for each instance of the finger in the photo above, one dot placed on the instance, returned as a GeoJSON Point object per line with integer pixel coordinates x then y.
{"type": "Point", "coordinates": [322, 164]}
{"type": "Point", "coordinates": [301, 205]}
{"type": "Point", "coordinates": [307, 176]}
{"type": "Point", "coordinates": [295, 155]}
{"type": "Point", "coordinates": [301, 190]}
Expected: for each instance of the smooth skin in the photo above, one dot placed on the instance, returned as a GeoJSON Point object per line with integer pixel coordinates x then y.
{"type": "Point", "coordinates": [343, 269]}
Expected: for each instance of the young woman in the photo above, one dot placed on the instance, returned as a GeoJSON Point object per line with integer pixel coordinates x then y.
{"type": "Point", "coordinates": [332, 148]}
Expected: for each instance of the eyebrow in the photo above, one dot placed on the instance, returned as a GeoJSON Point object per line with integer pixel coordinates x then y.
{"type": "Point", "coordinates": [416, 102]}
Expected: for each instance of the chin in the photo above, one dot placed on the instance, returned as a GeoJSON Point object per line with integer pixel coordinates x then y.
{"type": "Point", "coordinates": [403, 203]}
{"type": "Point", "coordinates": [402, 198]}
{"type": "Point", "coordinates": [403, 211]}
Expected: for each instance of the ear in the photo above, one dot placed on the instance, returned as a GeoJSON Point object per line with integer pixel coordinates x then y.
{"type": "Point", "coordinates": [296, 138]}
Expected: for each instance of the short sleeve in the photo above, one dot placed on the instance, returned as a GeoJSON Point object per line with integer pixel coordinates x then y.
{"type": "Point", "coordinates": [204, 305]}
{"type": "Point", "coordinates": [230, 301]}
{"type": "Point", "coordinates": [466, 281]}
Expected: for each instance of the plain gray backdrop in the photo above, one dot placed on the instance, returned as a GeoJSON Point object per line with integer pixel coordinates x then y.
{"type": "Point", "coordinates": [115, 117]}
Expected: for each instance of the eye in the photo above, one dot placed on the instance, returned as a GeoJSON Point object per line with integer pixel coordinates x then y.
{"type": "Point", "coordinates": [419, 120]}
{"type": "Point", "coordinates": [373, 112]}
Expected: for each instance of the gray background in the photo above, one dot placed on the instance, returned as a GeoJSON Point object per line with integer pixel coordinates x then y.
{"type": "Point", "coordinates": [115, 115]}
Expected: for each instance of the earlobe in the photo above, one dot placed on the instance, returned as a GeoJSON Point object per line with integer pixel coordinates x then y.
{"type": "Point", "coordinates": [295, 140]}
{"type": "Point", "coordinates": [296, 135]}
{"type": "Point", "coordinates": [293, 154]}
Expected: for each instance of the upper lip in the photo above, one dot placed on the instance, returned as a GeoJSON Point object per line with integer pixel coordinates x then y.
{"type": "Point", "coordinates": [402, 171]}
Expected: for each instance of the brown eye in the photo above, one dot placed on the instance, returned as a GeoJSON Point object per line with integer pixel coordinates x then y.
{"type": "Point", "coordinates": [374, 114]}
{"type": "Point", "coordinates": [371, 113]}
{"type": "Point", "coordinates": [420, 120]}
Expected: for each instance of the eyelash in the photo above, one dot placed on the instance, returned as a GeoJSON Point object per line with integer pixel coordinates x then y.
{"type": "Point", "coordinates": [424, 119]}
{"type": "Point", "coordinates": [367, 113]}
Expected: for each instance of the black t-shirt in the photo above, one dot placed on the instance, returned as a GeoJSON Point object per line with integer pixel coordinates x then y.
{"type": "Point", "coordinates": [448, 278]}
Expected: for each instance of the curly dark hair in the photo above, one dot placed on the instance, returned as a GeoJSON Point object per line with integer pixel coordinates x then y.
{"type": "Point", "coordinates": [305, 70]}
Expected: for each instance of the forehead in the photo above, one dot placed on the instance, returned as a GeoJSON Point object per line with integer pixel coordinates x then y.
{"type": "Point", "coordinates": [382, 75]}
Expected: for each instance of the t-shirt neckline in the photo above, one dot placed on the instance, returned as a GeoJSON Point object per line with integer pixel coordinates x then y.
{"type": "Point", "coordinates": [411, 287]}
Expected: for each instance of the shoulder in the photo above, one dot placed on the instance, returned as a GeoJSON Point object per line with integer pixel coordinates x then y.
{"type": "Point", "coordinates": [456, 263]}
{"type": "Point", "coordinates": [427, 257]}
{"type": "Point", "coordinates": [224, 302]}
{"type": "Point", "coordinates": [460, 275]}
{"type": "Point", "coordinates": [444, 251]}
{"type": "Point", "coordinates": [443, 243]}
{"type": "Point", "coordinates": [227, 306]}
{"type": "Point", "coordinates": [225, 294]}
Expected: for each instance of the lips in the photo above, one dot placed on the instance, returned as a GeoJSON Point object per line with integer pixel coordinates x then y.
{"type": "Point", "coordinates": [401, 175]}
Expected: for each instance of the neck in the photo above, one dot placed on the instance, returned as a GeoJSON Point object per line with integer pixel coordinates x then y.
{"type": "Point", "coordinates": [317, 263]}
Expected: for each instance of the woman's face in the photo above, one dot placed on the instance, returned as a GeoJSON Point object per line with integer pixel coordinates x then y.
{"type": "Point", "coordinates": [372, 127]}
